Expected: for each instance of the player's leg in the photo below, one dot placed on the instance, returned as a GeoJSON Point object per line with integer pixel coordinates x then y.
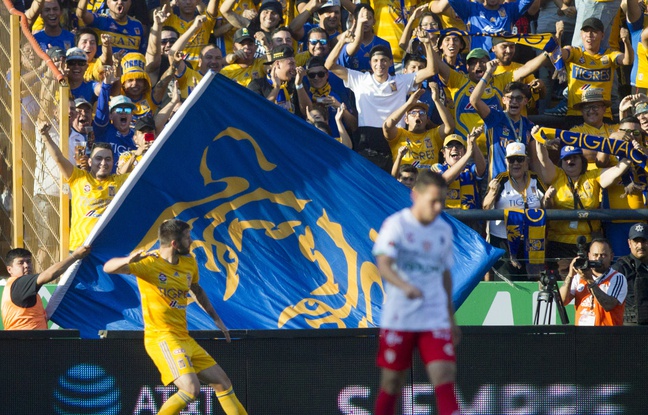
{"type": "Point", "coordinates": [216, 377]}
{"type": "Point", "coordinates": [172, 358]}
{"type": "Point", "coordinates": [188, 389]}
{"type": "Point", "coordinates": [437, 352]}
{"type": "Point", "coordinates": [391, 384]}
{"type": "Point", "coordinates": [394, 357]}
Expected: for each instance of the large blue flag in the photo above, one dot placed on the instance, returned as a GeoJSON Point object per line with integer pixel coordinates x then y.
{"type": "Point", "coordinates": [283, 220]}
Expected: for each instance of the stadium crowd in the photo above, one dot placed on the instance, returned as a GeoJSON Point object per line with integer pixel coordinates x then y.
{"type": "Point", "coordinates": [451, 85]}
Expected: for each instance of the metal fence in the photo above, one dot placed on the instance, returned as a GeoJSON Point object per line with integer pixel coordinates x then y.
{"type": "Point", "coordinates": [31, 210]}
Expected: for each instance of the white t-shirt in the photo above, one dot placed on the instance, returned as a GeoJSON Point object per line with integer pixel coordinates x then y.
{"type": "Point", "coordinates": [375, 101]}
{"type": "Point", "coordinates": [512, 199]}
{"type": "Point", "coordinates": [421, 253]}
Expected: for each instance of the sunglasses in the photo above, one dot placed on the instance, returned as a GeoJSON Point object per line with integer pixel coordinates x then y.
{"type": "Point", "coordinates": [316, 41]}
{"type": "Point", "coordinates": [635, 133]}
{"type": "Point", "coordinates": [123, 110]}
{"type": "Point", "coordinates": [313, 75]}
{"type": "Point", "coordinates": [416, 112]}
{"type": "Point", "coordinates": [170, 40]}
{"type": "Point", "coordinates": [76, 63]}
{"type": "Point", "coordinates": [516, 159]}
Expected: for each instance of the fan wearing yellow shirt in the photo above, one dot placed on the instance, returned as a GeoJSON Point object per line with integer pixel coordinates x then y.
{"type": "Point", "coordinates": [242, 66]}
{"type": "Point", "coordinates": [590, 66]}
{"type": "Point", "coordinates": [423, 144]}
{"type": "Point", "coordinates": [182, 18]}
{"type": "Point", "coordinates": [92, 191]}
{"type": "Point", "coordinates": [166, 278]}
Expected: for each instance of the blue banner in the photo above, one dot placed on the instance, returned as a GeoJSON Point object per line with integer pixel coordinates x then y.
{"type": "Point", "coordinates": [283, 220]}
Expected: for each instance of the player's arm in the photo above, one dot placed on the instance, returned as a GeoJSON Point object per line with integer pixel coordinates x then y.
{"type": "Point", "coordinates": [204, 302]}
{"type": "Point", "coordinates": [56, 270]}
{"type": "Point", "coordinates": [385, 266]}
{"type": "Point", "coordinates": [121, 265]}
{"type": "Point", "coordinates": [447, 286]}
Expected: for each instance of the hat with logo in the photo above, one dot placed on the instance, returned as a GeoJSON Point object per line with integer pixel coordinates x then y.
{"type": "Point", "coordinates": [121, 101]}
{"type": "Point", "coordinates": [454, 137]}
{"type": "Point", "coordinates": [76, 54]}
{"type": "Point", "coordinates": [381, 50]}
{"type": "Point", "coordinates": [242, 34]}
{"type": "Point", "coordinates": [593, 23]}
{"type": "Point", "coordinates": [145, 123]}
{"type": "Point", "coordinates": [570, 151]}
{"type": "Point", "coordinates": [515, 149]}
{"type": "Point", "coordinates": [79, 102]}
{"type": "Point", "coordinates": [641, 108]}
{"type": "Point", "coordinates": [56, 52]}
{"type": "Point", "coordinates": [638, 230]}
{"type": "Point", "coordinates": [280, 52]}
{"type": "Point", "coordinates": [590, 96]}
{"type": "Point", "coordinates": [133, 67]}
{"type": "Point", "coordinates": [477, 53]}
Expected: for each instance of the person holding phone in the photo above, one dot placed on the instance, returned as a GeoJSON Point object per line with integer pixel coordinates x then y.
{"type": "Point", "coordinates": [143, 137]}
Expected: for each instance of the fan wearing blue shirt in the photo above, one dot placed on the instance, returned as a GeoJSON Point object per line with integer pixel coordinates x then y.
{"type": "Point", "coordinates": [53, 34]}
{"type": "Point", "coordinates": [502, 127]}
{"type": "Point", "coordinates": [355, 55]}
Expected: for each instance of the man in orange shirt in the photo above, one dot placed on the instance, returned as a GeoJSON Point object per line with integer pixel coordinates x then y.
{"type": "Point", "coordinates": [22, 308]}
{"type": "Point", "coordinates": [598, 291]}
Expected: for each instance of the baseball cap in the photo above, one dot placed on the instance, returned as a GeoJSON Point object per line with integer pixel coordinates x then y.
{"type": "Point", "coordinates": [497, 40]}
{"type": "Point", "coordinates": [381, 50]}
{"type": "Point", "coordinates": [314, 62]}
{"type": "Point", "coordinates": [638, 230]}
{"type": "Point", "coordinates": [121, 101]}
{"type": "Point", "coordinates": [272, 5]}
{"type": "Point", "coordinates": [76, 54]}
{"type": "Point", "coordinates": [641, 108]}
{"type": "Point", "coordinates": [454, 137]}
{"type": "Point", "coordinates": [592, 95]}
{"type": "Point", "coordinates": [145, 123]}
{"type": "Point", "coordinates": [593, 23]}
{"type": "Point", "coordinates": [242, 34]}
{"type": "Point", "coordinates": [80, 102]}
{"type": "Point", "coordinates": [477, 53]}
{"type": "Point", "coordinates": [419, 104]}
{"type": "Point", "coordinates": [450, 32]}
{"type": "Point", "coordinates": [280, 52]}
{"type": "Point", "coordinates": [56, 52]}
{"type": "Point", "coordinates": [330, 3]}
{"type": "Point", "coordinates": [570, 151]}
{"type": "Point", "coordinates": [515, 149]}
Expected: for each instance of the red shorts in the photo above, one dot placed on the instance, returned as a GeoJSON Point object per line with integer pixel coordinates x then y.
{"type": "Point", "coordinates": [396, 347]}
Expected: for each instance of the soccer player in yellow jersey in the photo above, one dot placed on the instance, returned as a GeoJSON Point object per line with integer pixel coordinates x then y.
{"type": "Point", "coordinates": [92, 191]}
{"type": "Point", "coordinates": [589, 66]}
{"type": "Point", "coordinates": [165, 279]}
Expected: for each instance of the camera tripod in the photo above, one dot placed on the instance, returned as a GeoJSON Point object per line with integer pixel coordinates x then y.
{"type": "Point", "coordinates": [549, 295]}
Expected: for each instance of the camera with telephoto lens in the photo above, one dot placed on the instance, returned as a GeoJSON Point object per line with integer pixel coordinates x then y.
{"type": "Point", "coordinates": [583, 262]}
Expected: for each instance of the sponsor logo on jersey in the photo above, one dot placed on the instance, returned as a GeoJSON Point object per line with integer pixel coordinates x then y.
{"type": "Point", "coordinates": [162, 278]}
{"type": "Point", "coordinates": [111, 191]}
{"type": "Point", "coordinates": [92, 214]}
{"type": "Point", "coordinates": [87, 188]}
{"type": "Point", "coordinates": [595, 75]}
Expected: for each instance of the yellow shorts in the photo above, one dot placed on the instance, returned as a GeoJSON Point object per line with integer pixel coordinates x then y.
{"type": "Point", "coordinates": [176, 356]}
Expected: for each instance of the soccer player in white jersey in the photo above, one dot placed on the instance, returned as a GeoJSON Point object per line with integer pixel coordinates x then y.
{"type": "Point", "coordinates": [414, 256]}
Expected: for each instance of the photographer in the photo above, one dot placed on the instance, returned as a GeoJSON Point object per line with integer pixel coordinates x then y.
{"type": "Point", "coordinates": [635, 268]}
{"type": "Point", "coordinates": [598, 290]}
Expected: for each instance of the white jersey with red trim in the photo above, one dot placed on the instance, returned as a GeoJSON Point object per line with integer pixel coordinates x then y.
{"type": "Point", "coordinates": [421, 254]}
